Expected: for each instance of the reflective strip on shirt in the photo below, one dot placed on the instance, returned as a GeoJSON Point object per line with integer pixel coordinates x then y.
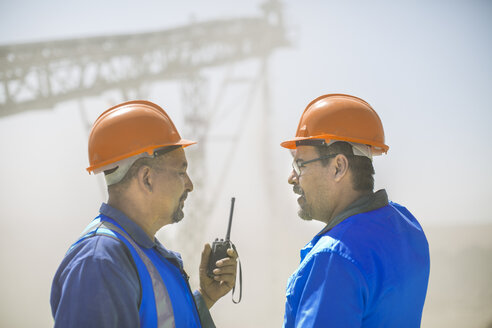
{"type": "Point", "coordinates": [165, 315]}
{"type": "Point", "coordinates": [162, 302]}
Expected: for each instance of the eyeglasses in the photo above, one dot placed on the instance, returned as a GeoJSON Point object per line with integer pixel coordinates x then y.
{"type": "Point", "coordinates": [297, 164]}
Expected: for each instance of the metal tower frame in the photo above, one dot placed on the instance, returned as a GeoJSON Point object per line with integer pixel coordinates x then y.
{"type": "Point", "coordinates": [41, 75]}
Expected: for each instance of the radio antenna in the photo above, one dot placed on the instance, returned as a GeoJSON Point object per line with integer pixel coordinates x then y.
{"type": "Point", "coordinates": [228, 235]}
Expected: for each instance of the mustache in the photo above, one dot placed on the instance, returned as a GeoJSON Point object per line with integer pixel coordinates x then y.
{"type": "Point", "coordinates": [184, 196]}
{"type": "Point", "coordinates": [298, 190]}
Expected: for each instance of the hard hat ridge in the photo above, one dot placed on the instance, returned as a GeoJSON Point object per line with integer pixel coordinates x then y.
{"type": "Point", "coordinates": [340, 117]}
{"type": "Point", "coordinates": [129, 131]}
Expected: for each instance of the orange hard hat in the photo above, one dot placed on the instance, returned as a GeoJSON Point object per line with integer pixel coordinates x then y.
{"type": "Point", "coordinates": [339, 117]}
{"type": "Point", "coordinates": [130, 129]}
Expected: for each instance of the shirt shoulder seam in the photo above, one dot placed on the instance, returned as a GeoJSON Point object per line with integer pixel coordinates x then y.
{"type": "Point", "coordinates": [91, 254]}
{"type": "Point", "coordinates": [330, 251]}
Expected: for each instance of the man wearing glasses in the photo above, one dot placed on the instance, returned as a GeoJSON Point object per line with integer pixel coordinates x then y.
{"type": "Point", "coordinates": [369, 266]}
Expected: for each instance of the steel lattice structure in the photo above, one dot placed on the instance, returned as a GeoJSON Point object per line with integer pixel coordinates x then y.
{"type": "Point", "coordinates": [40, 75]}
{"type": "Point", "coordinates": [43, 74]}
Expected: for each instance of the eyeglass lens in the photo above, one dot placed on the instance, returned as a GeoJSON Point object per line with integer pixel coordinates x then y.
{"type": "Point", "coordinates": [296, 168]}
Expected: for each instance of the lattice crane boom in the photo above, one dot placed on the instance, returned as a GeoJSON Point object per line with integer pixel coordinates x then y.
{"type": "Point", "coordinates": [42, 74]}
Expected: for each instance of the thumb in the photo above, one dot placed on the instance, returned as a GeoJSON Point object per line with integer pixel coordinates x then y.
{"type": "Point", "coordinates": [207, 249]}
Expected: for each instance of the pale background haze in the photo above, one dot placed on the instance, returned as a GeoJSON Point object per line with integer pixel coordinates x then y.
{"type": "Point", "coordinates": [425, 68]}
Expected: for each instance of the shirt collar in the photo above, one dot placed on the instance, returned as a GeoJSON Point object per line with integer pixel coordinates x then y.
{"type": "Point", "coordinates": [138, 235]}
{"type": "Point", "coordinates": [172, 256]}
{"type": "Point", "coordinates": [366, 203]}
{"type": "Point", "coordinates": [130, 227]}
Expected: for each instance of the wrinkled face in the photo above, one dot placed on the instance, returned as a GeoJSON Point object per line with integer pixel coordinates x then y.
{"type": "Point", "coordinates": [172, 186]}
{"type": "Point", "coordinates": [312, 185]}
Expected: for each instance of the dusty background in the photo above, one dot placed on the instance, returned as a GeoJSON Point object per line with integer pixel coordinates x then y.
{"type": "Point", "coordinates": [423, 65]}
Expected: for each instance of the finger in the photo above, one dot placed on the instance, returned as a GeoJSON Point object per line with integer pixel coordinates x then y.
{"type": "Point", "coordinates": [225, 277]}
{"type": "Point", "coordinates": [228, 285]}
{"type": "Point", "coordinates": [225, 270]}
{"type": "Point", "coordinates": [229, 280]}
{"type": "Point", "coordinates": [207, 249]}
{"type": "Point", "coordinates": [232, 253]}
{"type": "Point", "coordinates": [226, 262]}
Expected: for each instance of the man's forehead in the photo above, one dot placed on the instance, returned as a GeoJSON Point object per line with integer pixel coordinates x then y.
{"type": "Point", "coordinates": [176, 158]}
{"type": "Point", "coordinates": [303, 151]}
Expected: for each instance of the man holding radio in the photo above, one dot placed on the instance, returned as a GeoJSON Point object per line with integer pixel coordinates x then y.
{"type": "Point", "coordinates": [369, 266]}
{"type": "Point", "coordinates": [118, 274]}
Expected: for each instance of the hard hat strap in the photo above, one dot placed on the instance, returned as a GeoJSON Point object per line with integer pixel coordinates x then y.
{"type": "Point", "coordinates": [165, 150]}
{"type": "Point", "coordinates": [357, 148]}
{"type": "Point", "coordinates": [115, 172]}
{"type": "Point", "coordinates": [120, 169]}
{"type": "Point", "coordinates": [311, 142]}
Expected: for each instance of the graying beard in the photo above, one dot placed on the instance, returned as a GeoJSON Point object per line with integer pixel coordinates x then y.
{"type": "Point", "coordinates": [177, 216]}
{"type": "Point", "coordinates": [304, 215]}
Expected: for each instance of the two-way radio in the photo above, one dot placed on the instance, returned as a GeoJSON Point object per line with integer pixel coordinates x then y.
{"type": "Point", "coordinates": [219, 251]}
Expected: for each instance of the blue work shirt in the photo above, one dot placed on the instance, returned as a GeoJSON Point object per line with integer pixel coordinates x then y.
{"type": "Point", "coordinates": [371, 269]}
{"type": "Point", "coordinates": [97, 283]}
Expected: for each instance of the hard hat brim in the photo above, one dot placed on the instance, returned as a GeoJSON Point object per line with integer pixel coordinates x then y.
{"type": "Point", "coordinates": [378, 148]}
{"type": "Point", "coordinates": [183, 143]}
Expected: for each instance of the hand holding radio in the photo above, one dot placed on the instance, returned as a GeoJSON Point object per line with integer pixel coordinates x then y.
{"type": "Point", "coordinates": [220, 247]}
{"type": "Point", "coordinates": [222, 280]}
{"type": "Point", "coordinates": [218, 274]}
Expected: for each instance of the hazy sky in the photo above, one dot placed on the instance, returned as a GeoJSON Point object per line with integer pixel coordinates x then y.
{"type": "Point", "coordinates": [423, 65]}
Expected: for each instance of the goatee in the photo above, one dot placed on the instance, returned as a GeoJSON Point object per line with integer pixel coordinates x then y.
{"type": "Point", "coordinates": [178, 215]}
{"type": "Point", "coordinates": [303, 209]}
{"type": "Point", "coordinates": [303, 214]}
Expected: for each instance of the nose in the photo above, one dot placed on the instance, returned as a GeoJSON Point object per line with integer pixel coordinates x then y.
{"type": "Point", "coordinates": [292, 178]}
{"type": "Point", "coordinates": [188, 183]}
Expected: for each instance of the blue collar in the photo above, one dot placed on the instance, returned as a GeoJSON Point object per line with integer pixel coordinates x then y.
{"type": "Point", "coordinates": [366, 203]}
{"type": "Point", "coordinates": [128, 225]}
{"type": "Point", "coordinates": [137, 233]}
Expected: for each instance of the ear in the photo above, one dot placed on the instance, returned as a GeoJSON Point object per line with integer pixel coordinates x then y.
{"type": "Point", "coordinates": [341, 165]}
{"type": "Point", "coordinates": [145, 179]}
